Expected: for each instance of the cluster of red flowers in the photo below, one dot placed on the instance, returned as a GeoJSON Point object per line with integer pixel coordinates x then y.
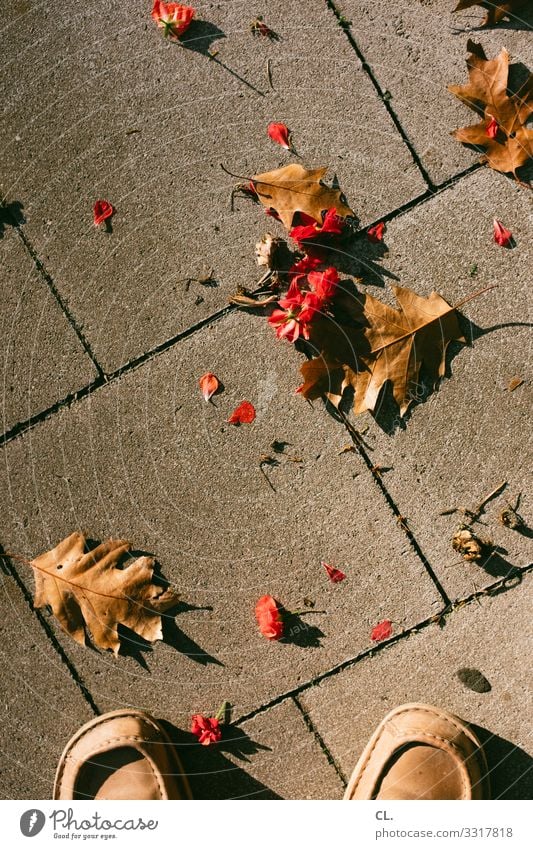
{"type": "Point", "coordinates": [311, 288]}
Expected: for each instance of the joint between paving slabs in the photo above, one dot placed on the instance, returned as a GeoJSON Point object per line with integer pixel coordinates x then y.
{"type": "Point", "coordinates": [9, 569]}
{"type": "Point", "coordinates": [320, 740]}
{"type": "Point", "coordinates": [370, 74]}
{"type": "Point", "coordinates": [502, 585]}
{"type": "Point", "coordinates": [342, 419]}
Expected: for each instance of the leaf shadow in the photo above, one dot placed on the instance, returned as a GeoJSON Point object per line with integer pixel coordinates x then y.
{"type": "Point", "coordinates": [510, 768]}
{"type": "Point", "coordinates": [299, 633]}
{"type": "Point", "coordinates": [361, 258]}
{"type": "Point", "coordinates": [523, 20]}
{"type": "Point", "coordinates": [11, 215]}
{"type": "Point", "coordinates": [200, 37]}
{"type": "Point", "coordinates": [211, 774]}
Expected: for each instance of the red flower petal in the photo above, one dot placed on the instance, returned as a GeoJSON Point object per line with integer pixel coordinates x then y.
{"type": "Point", "coordinates": [324, 283]}
{"type": "Point", "coordinates": [102, 210]}
{"type": "Point", "coordinates": [381, 631]}
{"type": "Point", "coordinates": [335, 575]}
{"type": "Point", "coordinates": [206, 728]}
{"type": "Point", "coordinates": [375, 233]}
{"type": "Point", "coordinates": [209, 384]}
{"type": "Point", "coordinates": [172, 18]}
{"type": "Point", "coordinates": [243, 414]}
{"type": "Point", "coordinates": [502, 236]}
{"type": "Point", "coordinates": [269, 618]}
{"type": "Point", "coordinates": [280, 134]}
{"type": "Point", "coordinates": [492, 128]}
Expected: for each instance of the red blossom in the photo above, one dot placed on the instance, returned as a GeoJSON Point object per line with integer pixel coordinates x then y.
{"type": "Point", "coordinates": [208, 384]}
{"type": "Point", "coordinates": [206, 728]}
{"type": "Point", "coordinates": [324, 283]}
{"type": "Point", "coordinates": [280, 134]}
{"type": "Point", "coordinates": [502, 236]}
{"type": "Point", "coordinates": [298, 310]}
{"type": "Point", "coordinates": [309, 230]}
{"type": "Point", "coordinates": [335, 575]}
{"type": "Point", "coordinates": [381, 631]}
{"type": "Point", "coordinates": [492, 128]}
{"type": "Point", "coordinates": [269, 618]}
{"type": "Point", "coordinates": [301, 269]}
{"type": "Point", "coordinates": [243, 414]}
{"type": "Point", "coordinates": [101, 211]}
{"type": "Point", "coordinates": [375, 233]}
{"type": "Point", "coordinates": [173, 18]}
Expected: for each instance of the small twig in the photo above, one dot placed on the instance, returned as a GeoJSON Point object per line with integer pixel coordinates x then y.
{"type": "Point", "coordinates": [269, 73]}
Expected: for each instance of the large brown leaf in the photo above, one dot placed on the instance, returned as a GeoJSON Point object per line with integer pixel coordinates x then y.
{"type": "Point", "coordinates": [294, 188]}
{"type": "Point", "coordinates": [91, 593]}
{"type": "Point", "coordinates": [370, 343]}
{"type": "Point", "coordinates": [496, 11]}
{"type": "Point", "coordinates": [487, 94]}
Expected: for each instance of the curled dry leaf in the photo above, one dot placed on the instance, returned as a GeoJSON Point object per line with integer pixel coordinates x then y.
{"type": "Point", "coordinates": [92, 592]}
{"type": "Point", "coordinates": [280, 134]}
{"type": "Point", "coordinates": [271, 252]}
{"type": "Point", "coordinates": [496, 10]}
{"type": "Point", "coordinates": [469, 545]}
{"type": "Point", "coordinates": [502, 236]}
{"type": "Point", "coordinates": [209, 384]}
{"type": "Point", "coordinates": [381, 631]}
{"type": "Point", "coordinates": [514, 383]}
{"type": "Point", "coordinates": [487, 94]}
{"type": "Point", "coordinates": [102, 210]}
{"type": "Point", "coordinates": [296, 189]}
{"type": "Point", "coordinates": [511, 519]}
{"type": "Point", "coordinates": [243, 414]}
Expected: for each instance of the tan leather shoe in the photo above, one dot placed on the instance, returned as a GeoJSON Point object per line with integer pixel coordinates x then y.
{"type": "Point", "coordinates": [125, 754]}
{"type": "Point", "coordinates": [420, 752]}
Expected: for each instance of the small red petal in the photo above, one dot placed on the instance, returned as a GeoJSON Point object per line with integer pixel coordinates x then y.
{"type": "Point", "coordinates": [243, 414]}
{"type": "Point", "coordinates": [381, 631]}
{"type": "Point", "coordinates": [280, 134]}
{"type": "Point", "coordinates": [208, 384]}
{"type": "Point", "coordinates": [375, 233]}
{"type": "Point", "coordinates": [102, 210]}
{"type": "Point", "coordinates": [502, 236]}
{"type": "Point", "coordinates": [492, 128]}
{"type": "Point", "coordinates": [335, 575]}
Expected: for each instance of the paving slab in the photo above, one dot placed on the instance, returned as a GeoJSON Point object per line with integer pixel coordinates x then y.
{"type": "Point", "coordinates": [474, 433]}
{"type": "Point", "coordinates": [415, 50]}
{"type": "Point", "coordinates": [493, 636]}
{"type": "Point", "coordinates": [99, 105]}
{"type": "Point", "coordinates": [146, 458]}
{"type": "Point", "coordinates": [42, 359]}
{"type": "Point", "coordinates": [41, 705]}
{"type": "Point", "coordinates": [272, 756]}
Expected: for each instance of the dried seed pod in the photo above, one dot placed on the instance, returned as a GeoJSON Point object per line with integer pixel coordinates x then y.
{"type": "Point", "coordinates": [511, 519]}
{"type": "Point", "coordinates": [271, 252]}
{"type": "Point", "coordinates": [469, 546]}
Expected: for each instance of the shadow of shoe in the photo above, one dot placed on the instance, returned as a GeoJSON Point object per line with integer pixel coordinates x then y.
{"type": "Point", "coordinates": [510, 767]}
{"type": "Point", "coordinates": [211, 774]}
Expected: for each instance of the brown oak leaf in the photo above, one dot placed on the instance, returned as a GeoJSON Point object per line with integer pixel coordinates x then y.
{"type": "Point", "coordinates": [510, 145]}
{"type": "Point", "coordinates": [496, 12]}
{"type": "Point", "coordinates": [92, 592]}
{"type": "Point", "coordinates": [296, 189]}
{"type": "Point", "coordinates": [367, 343]}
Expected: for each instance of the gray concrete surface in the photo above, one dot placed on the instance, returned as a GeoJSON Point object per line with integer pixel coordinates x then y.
{"type": "Point", "coordinates": [96, 106]}
{"type": "Point", "coordinates": [490, 635]}
{"type": "Point", "coordinates": [42, 358]}
{"type": "Point", "coordinates": [41, 705]}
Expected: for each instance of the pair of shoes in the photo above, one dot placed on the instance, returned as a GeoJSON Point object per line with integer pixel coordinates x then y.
{"type": "Point", "coordinates": [417, 752]}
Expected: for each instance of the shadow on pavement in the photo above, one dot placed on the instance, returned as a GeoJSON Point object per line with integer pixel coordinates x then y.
{"type": "Point", "coordinates": [211, 774]}
{"type": "Point", "coordinates": [510, 767]}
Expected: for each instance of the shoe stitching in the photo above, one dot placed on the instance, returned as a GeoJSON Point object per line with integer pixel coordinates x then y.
{"type": "Point", "coordinates": [137, 739]}
{"type": "Point", "coordinates": [378, 738]}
